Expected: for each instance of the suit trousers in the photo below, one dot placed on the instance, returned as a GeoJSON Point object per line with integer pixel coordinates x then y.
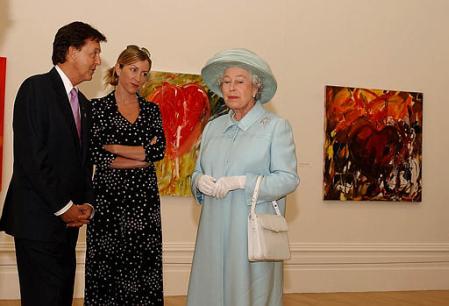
{"type": "Point", "coordinates": [46, 271]}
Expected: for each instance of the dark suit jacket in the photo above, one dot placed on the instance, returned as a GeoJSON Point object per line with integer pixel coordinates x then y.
{"type": "Point", "coordinates": [50, 164]}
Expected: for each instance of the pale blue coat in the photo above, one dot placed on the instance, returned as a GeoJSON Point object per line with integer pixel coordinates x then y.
{"type": "Point", "coordinates": [259, 144]}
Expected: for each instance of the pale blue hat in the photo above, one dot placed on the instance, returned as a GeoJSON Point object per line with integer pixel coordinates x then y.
{"type": "Point", "coordinates": [246, 59]}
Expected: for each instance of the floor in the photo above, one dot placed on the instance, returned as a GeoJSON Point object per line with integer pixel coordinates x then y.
{"type": "Point", "coordinates": [400, 298]}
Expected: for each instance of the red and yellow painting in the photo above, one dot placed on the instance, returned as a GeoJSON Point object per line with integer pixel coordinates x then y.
{"type": "Point", "coordinates": [2, 104]}
{"type": "Point", "coordinates": [186, 106]}
{"type": "Point", "coordinates": [373, 145]}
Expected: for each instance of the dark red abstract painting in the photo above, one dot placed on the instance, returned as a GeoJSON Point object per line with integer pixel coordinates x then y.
{"type": "Point", "coordinates": [186, 105]}
{"type": "Point", "coordinates": [373, 145]}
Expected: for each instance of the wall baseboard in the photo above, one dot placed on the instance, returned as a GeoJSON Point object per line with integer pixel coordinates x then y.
{"type": "Point", "coordinates": [313, 267]}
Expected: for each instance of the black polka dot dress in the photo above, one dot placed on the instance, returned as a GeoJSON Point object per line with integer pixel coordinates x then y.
{"type": "Point", "coordinates": [124, 239]}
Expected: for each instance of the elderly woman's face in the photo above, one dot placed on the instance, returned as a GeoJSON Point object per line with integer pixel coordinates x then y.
{"type": "Point", "coordinates": [238, 90]}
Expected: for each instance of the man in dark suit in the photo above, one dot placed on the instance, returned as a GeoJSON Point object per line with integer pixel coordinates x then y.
{"type": "Point", "coordinates": [50, 190]}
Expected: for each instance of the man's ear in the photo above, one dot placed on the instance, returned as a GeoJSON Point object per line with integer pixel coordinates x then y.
{"type": "Point", "coordinates": [72, 53]}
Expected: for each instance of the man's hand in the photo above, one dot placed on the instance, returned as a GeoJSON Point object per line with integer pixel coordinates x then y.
{"type": "Point", "coordinates": [87, 210]}
{"type": "Point", "coordinates": [77, 215]}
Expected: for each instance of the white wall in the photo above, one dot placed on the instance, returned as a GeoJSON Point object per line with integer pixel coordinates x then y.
{"type": "Point", "coordinates": [390, 44]}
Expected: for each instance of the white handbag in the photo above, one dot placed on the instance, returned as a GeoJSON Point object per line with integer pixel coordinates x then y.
{"type": "Point", "coordinates": [267, 234]}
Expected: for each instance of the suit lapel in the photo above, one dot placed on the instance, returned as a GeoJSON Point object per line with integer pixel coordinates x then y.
{"type": "Point", "coordinates": [64, 105]}
{"type": "Point", "coordinates": [85, 124]}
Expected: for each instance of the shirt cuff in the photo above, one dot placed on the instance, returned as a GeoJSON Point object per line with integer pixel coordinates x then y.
{"type": "Point", "coordinates": [64, 209]}
{"type": "Point", "coordinates": [93, 210]}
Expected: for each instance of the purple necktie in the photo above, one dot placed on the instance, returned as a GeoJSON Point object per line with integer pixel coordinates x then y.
{"type": "Point", "coordinates": [74, 103]}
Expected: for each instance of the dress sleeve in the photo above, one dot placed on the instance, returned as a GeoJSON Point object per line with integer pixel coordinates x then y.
{"type": "Point", "coordinates": [98, 156]}
{"type": "Point", "coordinates": [283, 178]}
{"type": "Point", "coordinates": [197, 194]}
{"type": "Point", "coordinates": [155, 143]}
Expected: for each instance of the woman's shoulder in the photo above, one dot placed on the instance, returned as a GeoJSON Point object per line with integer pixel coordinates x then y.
{"type": "Point", "coordinates": [219, 121]}
{"type": "Point", "coordinates": [272, 121]}
{"type": "Point", "coordinates": [269, 114]}
{"type": "Point", "coordinates": [103, 102]}
{"type": "Point", "coordinates": [147, 105]}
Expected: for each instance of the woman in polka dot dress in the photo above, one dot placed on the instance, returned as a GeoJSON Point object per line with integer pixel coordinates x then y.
{"type": "Point", "coordinates": [124, 241]}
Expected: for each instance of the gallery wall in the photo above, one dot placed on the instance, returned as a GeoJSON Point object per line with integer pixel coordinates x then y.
{"type": "Point", "coordinates": [336, 246]}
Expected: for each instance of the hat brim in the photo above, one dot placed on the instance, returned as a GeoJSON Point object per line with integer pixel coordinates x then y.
{"type": "Point", "coordinates": [213, 71]}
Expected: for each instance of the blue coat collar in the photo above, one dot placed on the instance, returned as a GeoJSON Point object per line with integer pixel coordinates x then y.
{"type": "Point", "coordinates": [255, 113]}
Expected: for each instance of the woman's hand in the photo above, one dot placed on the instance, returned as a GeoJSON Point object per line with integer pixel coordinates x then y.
{"type": "Point", "coordinates": [228, 183]}
{"type": "Point", "coordinates": [206, 184]}
{"type": "Point", "coordinates": [112, 148]}
{"type": "Point", "coordinates": [126, 163]}
{"type": "Point", "coordinates": [131, 152]}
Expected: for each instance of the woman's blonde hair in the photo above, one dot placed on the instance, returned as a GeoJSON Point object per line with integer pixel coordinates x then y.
{"type": "Point", "coordinates": [130, 55]}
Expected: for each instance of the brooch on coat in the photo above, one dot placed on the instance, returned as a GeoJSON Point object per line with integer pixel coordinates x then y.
{"type": "Point", "coordinates": [264, 121]}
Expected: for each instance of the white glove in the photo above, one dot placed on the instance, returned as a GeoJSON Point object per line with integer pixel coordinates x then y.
{"type": "Point", "coordinates": [228, 183]}
{"type": "Point", "coordinates": [206, 184]}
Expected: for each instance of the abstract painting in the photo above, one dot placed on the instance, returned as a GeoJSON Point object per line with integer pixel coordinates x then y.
{"type": "Point", "coordinates": [186, 105]}
{"type": "Point", "coordinates": [2, 105]}
{"type": "Point", "coordinates": [373, 145]}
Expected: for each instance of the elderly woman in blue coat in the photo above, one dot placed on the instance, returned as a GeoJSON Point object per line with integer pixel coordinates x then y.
{"type": "Point", "coordinates": [235, 149]}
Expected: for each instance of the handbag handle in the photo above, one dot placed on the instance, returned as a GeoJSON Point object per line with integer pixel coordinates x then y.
{"type": "Point", "coordinates": [254, 200]}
